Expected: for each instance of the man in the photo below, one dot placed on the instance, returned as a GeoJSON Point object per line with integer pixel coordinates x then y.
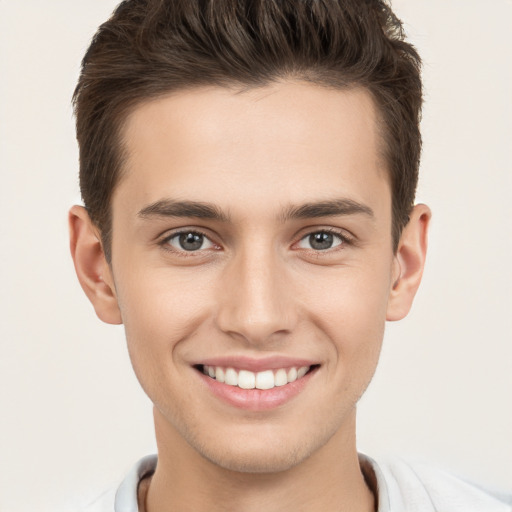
{"type": "Point", "coordinates": [248, 171]}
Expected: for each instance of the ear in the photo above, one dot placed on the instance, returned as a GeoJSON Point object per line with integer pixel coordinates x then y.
{"type": "Point", "coordinates": [409, 262]}
{"type": "Point", "coordinates": [92, 269]}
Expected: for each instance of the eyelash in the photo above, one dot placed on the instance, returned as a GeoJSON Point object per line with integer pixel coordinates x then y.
{"type": "Point", "coordinates": [164, 242]}
{"type": "Point", "coordinates": [344, 241]}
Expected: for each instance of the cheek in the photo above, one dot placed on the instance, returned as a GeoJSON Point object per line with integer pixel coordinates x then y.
{"type": "Point", "coordinates": [352, 298]}
{"type": "Point", "coordinates": [162, 302]}
{"type": "Point", "coordinates": [351, 312]}
{"type": "Point", "coordinates": [159, 312]}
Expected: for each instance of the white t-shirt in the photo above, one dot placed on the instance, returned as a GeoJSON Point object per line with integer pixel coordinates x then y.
{"type": "Point", "coordinates": [400, 486]}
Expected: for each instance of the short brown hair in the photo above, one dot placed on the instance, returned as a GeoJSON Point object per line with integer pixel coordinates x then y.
{"type": "Point", "coordinates": [149, 48]}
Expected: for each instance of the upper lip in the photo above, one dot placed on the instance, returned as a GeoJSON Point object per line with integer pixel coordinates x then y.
{"type": "Point", "coordinates": [256, 364]}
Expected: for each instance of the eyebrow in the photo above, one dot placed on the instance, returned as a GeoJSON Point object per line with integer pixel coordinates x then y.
{"type": "Point", "coordinates": [201, 210]}
{"type": "Point", "coordinates": [173, 208]}
{"type": "Point", "coordinates": [329, 208]}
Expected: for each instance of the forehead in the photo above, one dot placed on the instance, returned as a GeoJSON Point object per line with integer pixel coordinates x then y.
{"type": "Point", "coordinates": [298, 141]}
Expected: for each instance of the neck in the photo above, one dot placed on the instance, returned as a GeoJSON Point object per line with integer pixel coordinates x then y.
{"type": "Point", "coordinates": [329, 480]}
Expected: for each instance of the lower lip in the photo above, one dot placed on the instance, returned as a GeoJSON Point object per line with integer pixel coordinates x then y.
{"type": "Point", "coordinates": [256, 399]}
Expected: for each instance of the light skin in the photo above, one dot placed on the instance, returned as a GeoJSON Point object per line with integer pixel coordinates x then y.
{"type": "Point", "coordinates": [289, 257]}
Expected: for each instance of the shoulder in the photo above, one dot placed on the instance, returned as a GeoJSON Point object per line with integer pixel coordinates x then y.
{"type": "Point", "coordinates": [417, 487]}
{"type": "Point", "coordinates": [124, 497]}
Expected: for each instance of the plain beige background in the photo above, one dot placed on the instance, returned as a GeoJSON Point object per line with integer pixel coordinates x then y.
{"type": "Point", "coordinates": [72, 417]}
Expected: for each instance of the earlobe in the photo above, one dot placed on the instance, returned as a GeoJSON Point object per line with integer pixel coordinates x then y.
{"type": "Point", "coordinates": [409, 263]}
{"type": "Point", "coordinates": [91, 267]}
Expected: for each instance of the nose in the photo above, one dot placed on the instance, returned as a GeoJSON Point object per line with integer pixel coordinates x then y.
{"type": "Point", "coordinates": [256, 302]}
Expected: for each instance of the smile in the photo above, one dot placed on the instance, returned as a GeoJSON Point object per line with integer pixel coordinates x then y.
{"type": "Point", "coordinates": [256, 384]}
{"type": "Point", "coordinates": [246, 379]}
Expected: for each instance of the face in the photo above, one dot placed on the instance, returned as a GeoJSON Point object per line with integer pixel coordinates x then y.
{"type": "Point", "coordinates": [252, 266]}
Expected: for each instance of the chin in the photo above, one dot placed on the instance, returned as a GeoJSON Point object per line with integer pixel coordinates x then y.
{"type": "Point", "coordinates": [261, 452]}
{"type": "Point", "coordinates": [260, 460]}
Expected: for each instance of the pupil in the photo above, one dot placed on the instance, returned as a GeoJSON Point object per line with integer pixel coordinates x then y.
{"type": "Point", "coordinates": [191, 241]}
{"type": "Point", "coordinates": [321, 241]}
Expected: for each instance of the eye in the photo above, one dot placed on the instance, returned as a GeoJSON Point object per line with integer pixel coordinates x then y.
{"type": "Point", "coordinates": [189, 241]}
{"type": "Point", "coordinates": [321, 241]}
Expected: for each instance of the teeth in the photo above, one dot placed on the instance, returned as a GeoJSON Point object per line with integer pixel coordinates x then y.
{"type": "Point", "coordinates": [281, 378]}
{"type": "Point", "coordinates": [245, 379]}
{"type": "Point", "coordinates": [265, 380]}
{"type": "Point", "coordinates": [301, 372]}
{"type": "Point", "coordinates": [231, 377]}
{"type": "Point", "coordinates": [219, 374]}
